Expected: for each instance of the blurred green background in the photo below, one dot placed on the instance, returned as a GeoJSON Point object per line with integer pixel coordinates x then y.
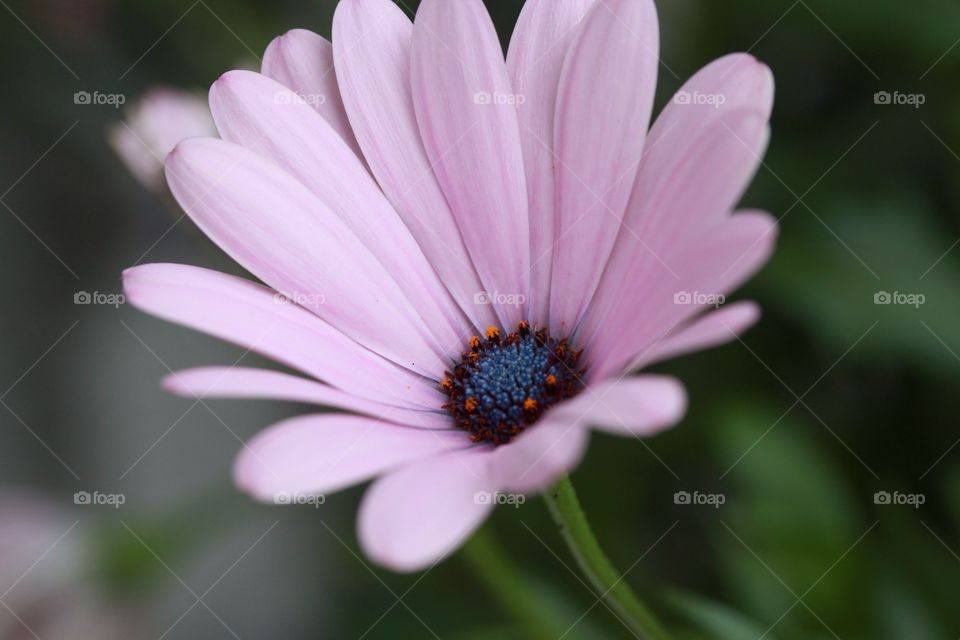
{"type": "Point", "coordinates": [829, 400]}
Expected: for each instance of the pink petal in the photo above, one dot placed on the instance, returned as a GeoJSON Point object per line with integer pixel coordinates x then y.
{"type": "Point", "coordinates": [735, 81]}
{"type": "Point", "coordinates": [371, 48]}
{"type": "Point", "coordinates": [670, 198]}
{"type": "Point", "coordinates": [303, 62]}
{"type": "Point", "coordinates": [250, 315]}
{"type": "Point", "coordinates": [416, 516]}
{"type": "Point", "coordinates": [673, 202]}
{"type": "Point", "coordinates": [639, 405]}
{"type": "Point", "coordinates": [709, 330]}
{"type": "Point", "coordinates": [715, 263]}
{"type": "Point", "coordinates": [722, 258]}
{"type": "Point", "coordinates": [538, 48]}
{"type": "Point", "coordinates": [715, 145]}
{"type": "Point", "coordinates": [325, 453]}
{"type": "Point", "coordinates": [603, 111]}
{"type": "Point", "coordinates": [244, 382]}
{"type": "Point", "coordinates": [279, 231]}
{"type": "Point", "coordinates": [462, 97]}
{"type": "Point", "coordinates": [720, 162]}
{"type": "Point", "coordinates": [535, 459]}
{"type": "Point", "coordinates": [265, 117]}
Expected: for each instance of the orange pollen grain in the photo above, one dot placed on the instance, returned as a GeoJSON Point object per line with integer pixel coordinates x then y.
{"type": "Point", "coordinates": [530, 404]}
{"type": "Point", "coordinates": [475, 342]}
{"type": "Point", "coordinates": [493, 333]}
{"type": "Point", "coordinates": [551, 380]}
{"type": "Point", "coordinates": [470, 404]}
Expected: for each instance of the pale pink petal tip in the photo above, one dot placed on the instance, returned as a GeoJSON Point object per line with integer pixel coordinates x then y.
{"type": "Point", "coordinates": [641, 406]}
{"type": "Point", "coordinates": [635, 405]}
{"type": "Point", "coordinates": [710, 330]}
{"type": "Point", "coordinates": [319, 454]}
{"type": "Point", "coordinates": [302, 61]}
{"type": "Point", "coordinates": [415, 517]}
{"type": "Point", "coordinates": [537, 458]}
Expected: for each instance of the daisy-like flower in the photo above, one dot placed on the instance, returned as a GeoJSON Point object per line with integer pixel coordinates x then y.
{"type": "Point", "coordinates": [466, 255]}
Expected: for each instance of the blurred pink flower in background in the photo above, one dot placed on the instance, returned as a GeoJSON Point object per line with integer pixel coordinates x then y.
{"type": "Point", "coordinates": [471, 253]}
{"type": "Point", "coordinates": [47, 579]}
{"type": "Point", "coordinates": [153, 126]}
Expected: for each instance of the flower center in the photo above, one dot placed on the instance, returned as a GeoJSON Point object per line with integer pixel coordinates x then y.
{"type": "Point", "coordinates": [503, 383]}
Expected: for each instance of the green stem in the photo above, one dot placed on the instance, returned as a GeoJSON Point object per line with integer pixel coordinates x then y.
{"type": "Point", "coordinates": [508, 586]}
{"type": "Point", "coordinates": [569, 516]}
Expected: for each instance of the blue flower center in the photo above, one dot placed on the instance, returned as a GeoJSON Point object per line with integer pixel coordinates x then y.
{"type": "Point", "coordinates": [504, 383]}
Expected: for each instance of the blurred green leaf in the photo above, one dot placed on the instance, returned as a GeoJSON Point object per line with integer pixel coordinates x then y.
{"type": "Point", "coordinates": [714, 620]}
{"type": "Point", "coordinates": [788, 520]}
{"type": "Point", "coordinates": [826, 277]}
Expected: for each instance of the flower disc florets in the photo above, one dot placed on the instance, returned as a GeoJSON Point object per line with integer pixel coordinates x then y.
{"type": "Point", "coordinates": [504, 383]}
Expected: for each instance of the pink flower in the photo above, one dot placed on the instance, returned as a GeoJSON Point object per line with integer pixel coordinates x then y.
{"type": "Point", "coordinates": [152, 128]}
{"type": "Point", "coordinates": [47, 567]}
{"type": "Point", "coordinates": [465, 253]}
